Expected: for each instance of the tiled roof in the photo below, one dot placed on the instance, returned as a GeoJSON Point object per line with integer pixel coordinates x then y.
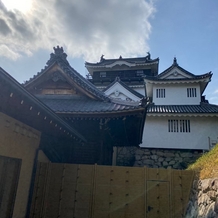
{"type": "Point", "coordinates": [139, 60]}
{"type": "Point", "coordinates": [191, 109]}
{"type": "Point", "coordinates": [59, 57]}
{"type": "Point", "coordinates": [157, 78]}
{"type": "Point", "coordinates": [71, 104]}
{"type": "Point", "coordinates": [117, 80]}
{"type": "Point", "coordinates": [175, 64]}
{"type": "Point", "coordinates": [16, 89]}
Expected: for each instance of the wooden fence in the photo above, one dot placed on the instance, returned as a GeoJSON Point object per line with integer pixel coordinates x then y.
{"type": "Point", "coordinates": [92, 191]}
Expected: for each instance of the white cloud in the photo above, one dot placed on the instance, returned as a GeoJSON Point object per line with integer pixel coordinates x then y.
{"type": "Point", "coordinates": [85, 28]}
{"type": "Point", "coordinates": [8, 52]}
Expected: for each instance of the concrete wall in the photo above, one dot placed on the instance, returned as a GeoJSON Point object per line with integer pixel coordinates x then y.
{"type": "Point", "coordinates": [18, 140]}
{"type": "Point", "coordinates": [156, 133]}
{"type": "Point", "coordinates": [176, 94]}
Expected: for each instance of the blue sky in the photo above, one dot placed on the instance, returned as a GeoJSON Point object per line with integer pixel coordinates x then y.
{"type": "Point", "coordinates": [187, 30]}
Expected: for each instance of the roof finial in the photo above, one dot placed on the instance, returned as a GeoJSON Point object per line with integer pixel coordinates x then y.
{"type": "Point", "coordinates": [175, 61]}
{"type": "Point", "coordinates": [58, 50]}
{"type": "Point", "coordinates": [102, 58]}
{"type": "Point", "coordinates": [148, 57]}
{"type": "Point", "coordinates": [58, 54]}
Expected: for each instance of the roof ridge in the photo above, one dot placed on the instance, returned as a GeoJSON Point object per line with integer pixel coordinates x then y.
{"type": "Point", "coordinates": [17, 86]}
{"type": "Point", "coordinates": [146, 59]}
{"type": "Point", "coordinates": [175, 64]}
{"type": "Point", "coordinates": [60, 57]}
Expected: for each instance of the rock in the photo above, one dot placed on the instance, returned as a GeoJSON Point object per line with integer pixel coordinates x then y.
{"type": "Point", "coordinates": [177, 155]}
{"type": "Point", "coordinates": [160, 159]}
{"type": "Point", "coordinates": [168, 159]}
{"type": "Point", "coordinates": [165, 163]}
{"type": "Point", "coordinates": [137, 157]}
{"type": "Point", "coordinates": [212, 195]}
{"type": "Point", "coordinates": [154, 157]}
{"type": "Point", "coordinates": [145, 157]}
{"type": "Point", "coordinates": [169, 155]}
{"type": "Point", "coordinates": [214, 184]}
{"type": "Point", "coordinates": [205, 185]}
{"type": "Point", "coordinates": [172, 162]}
{"type": "Point", "coordinates": [216, 206]}
{"type": "Point", "coordinates": [139, 152]}
{"type": "Point", "coordinates": [153, 151]}
{"type": "Point", "coordinates": [203, 199]}
{"type": "Point", "coordinates": [148, 162]}
{"type": "Point", "coordinates": [160, 153]}
{"type": "Point", "coordinates": [179, 159]}
{"type": "Point", "coordinates": [210, 213]}
{"type": "Point", "coordinates": [187, 154]}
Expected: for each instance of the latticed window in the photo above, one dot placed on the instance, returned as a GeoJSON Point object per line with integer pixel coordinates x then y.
{"type": "Point", "coordinates": [160, 93]}
{"type": "Point", "coordinates": [179, 126]}
{"type": "Point", "coordinates": [191, 92]}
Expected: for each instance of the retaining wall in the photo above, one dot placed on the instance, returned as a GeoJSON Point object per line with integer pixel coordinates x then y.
{"type": "Point", "coordinates": [156, 158]}
{"type": "Point", "coordinates": [203, 202]}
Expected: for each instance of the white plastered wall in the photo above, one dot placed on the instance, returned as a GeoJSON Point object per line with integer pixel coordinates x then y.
{"type": "Point", "coordinates": [176, 94]}
{"type": "Point", "coordinates": [156, 133]}
{"type": "Point", "coordinates": [123, 93]}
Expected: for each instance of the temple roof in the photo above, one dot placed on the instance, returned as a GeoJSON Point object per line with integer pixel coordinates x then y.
{"type": "Point", "coordinates": [132, 63]}
{"type": "Point", "coordinates": [59, 58]}
{"type": "Point", "coordinates": [18, 103]}
{"type": "Point", "coordinates": [73, 103]}
{"type": "Point", "coordinates": [83, 105]}
{"type": "Point", "coordinates": [138, 60]}
{"type": "Point", "coordinates": [203, 108]}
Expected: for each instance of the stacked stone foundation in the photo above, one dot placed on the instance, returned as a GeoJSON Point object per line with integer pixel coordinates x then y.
{"type": "Point", "coordinates": [203, 202]}
{"type": "Point", "coordinates": [156, 158]}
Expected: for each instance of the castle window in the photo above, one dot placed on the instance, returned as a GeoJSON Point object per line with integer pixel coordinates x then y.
{"type": "Point", "coordinates": [139, 73]}
{"type": "Point", "coordinates": [102, 74]}
{"type": "Point", "coordinates": [179, 126]}
{"type": "Point", "coordinates": [173, 126]}
{"type": "Point", "coordinates": [160, 93]}
{"type": "Point", "coordinates": [191, 92]}
{"type": "Point", "coordinates": [184, 125]}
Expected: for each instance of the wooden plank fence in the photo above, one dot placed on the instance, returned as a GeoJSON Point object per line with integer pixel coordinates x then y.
{"type": "Point", "coordinates": [92, 191]}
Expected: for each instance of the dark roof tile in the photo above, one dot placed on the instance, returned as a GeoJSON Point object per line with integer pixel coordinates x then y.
{"type": "Point", "coordinates": [59, 57]}
{"type": "Point", "coordinates": [202, 108]}
{"type": "Point", "coordinates": [71, 104]}
{"type": "Point", "coordinates": [138, 60]}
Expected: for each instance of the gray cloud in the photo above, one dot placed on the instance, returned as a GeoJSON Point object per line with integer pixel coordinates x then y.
{"type": "Point", "coordinates": [4, 29]}
{"type": "Point", "coordinates": [86, 28]}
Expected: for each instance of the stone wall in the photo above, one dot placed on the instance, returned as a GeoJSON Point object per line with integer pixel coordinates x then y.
{"type": "Point", "coordinates": [203, 201]}
{"type": "Point", "coordinates": [156, 158]}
